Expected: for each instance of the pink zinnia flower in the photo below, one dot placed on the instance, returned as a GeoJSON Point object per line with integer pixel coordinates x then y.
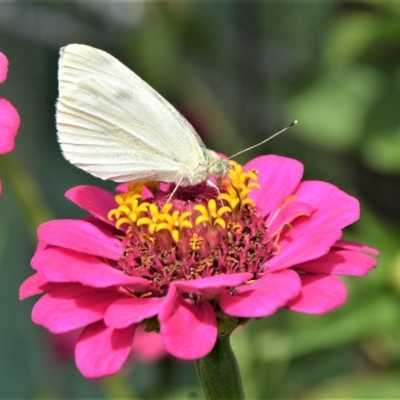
{"type": "Point", "coordinates": [9, 118]}
{"type": "Point", "coordinates": [196, 267]}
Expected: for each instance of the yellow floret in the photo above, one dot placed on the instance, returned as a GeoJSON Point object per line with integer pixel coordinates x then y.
{"type": "Point", "coordinates": [129, 208]}
{"type": "Point", "coordinates": [238, 186]}
{"type": "Point", "coordinates": [211, 214]}
{"type": "Point", "coordinates": [174, 223]}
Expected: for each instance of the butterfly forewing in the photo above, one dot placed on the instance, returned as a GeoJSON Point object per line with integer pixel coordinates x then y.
{"type": "Point", "coordinates": [113, 125]}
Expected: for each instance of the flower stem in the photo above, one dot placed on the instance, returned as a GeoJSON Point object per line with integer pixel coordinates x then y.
{"type": "Point", "coordinates": [219, 373]}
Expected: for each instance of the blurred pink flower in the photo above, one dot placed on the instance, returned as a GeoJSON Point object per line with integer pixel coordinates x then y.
{"type": "Point", "coordinates": [9, 118]}
{"type": "Point", "coordinates": [148, 346]}
{"type": "Point", "coordinates": [268, 241]}
{"type": "Point", "coordinates": [3, 67]}
{"type": "Point", "coordinates": [63, 344]}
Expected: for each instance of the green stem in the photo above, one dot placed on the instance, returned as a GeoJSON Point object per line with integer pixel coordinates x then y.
{"type": "Point", "coordinates": [219, 373]}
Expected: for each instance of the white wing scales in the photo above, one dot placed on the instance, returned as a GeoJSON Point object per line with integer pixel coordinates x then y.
{"type": "Point", "coordinates": [113, 125]}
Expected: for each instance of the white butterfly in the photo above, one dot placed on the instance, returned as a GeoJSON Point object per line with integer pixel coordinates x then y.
{"type": "Point", "coordinates": [113, 125]}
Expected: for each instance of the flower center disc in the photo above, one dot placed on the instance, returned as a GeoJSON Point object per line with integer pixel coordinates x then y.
{"type": "Point", "coordinates": [200, 233]}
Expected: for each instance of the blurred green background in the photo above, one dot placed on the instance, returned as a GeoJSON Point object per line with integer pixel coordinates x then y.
{"type": "Point", "coordinates": [239, 72]}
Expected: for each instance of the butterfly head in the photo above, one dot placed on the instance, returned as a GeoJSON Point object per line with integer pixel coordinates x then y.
{"type": "Point", "coordinates": [216, 166]}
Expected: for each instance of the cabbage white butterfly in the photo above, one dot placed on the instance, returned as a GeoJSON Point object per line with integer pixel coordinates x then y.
{"type": "Point", "coordinates": [113, 125]}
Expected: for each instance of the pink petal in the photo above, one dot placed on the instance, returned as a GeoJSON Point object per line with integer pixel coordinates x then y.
{"type": "Point", "coordinates": [33, 285]}
{"type": "Point", "coordinates": [96, 201]}
{"type": "Point", "coordinates": [303, 243]}
{"type": "Point", "coordinates": [211, 286]}
{"type": "Point", "coordinates": [41, 246]}
{"type": "Point", "coordinates": [122, 188]}
{"type": "Point", "coordinates": [64, 265]}
{"type": "Point", "coordinates": [335, 207]}
{"type": "Point", "coordinates": [148, 346]}
{"type": "Point", "coordinates": [125, 312]}
{"type": "Point", "coordinates": [9, 124]}
{"type": "Point", "coordinates": [319, 294]}
{"type": "Point", "coordinates": [263, 297]}
{"type": "Point", "coordinates": [102, 351]}
{"type": "Point", "coordinates": [72, 306]}
{"type": "Point", "coordinates": [313, 236]}
{"type": "Point", "coordinates": [284, 216]}
{"type": "Point", "coordinates": [278, 177]}
{"type": "Point", "coordinates": [343, 244]}
{"type": "Point", "coordinates": [107, 229]}
{"type": "Point", "coordinates": [189, 331]}
{"type": "Point", "coordinates": [3, 67]}
{"type": "Point", "coordinates": [80, 236]}
{"type": "Point", "coordinates": [344, 262]}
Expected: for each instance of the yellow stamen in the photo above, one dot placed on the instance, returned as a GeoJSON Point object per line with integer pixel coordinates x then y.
{"type": "Point", "coordinates": [173, 223]}
{"type": "Point", "coordinates": [201, 209]}
{"type": "Point", "coordinates": [156, 216]}
{"type": "Point", "coordinates": [150, 238]}
{"type": "Point", "coordinates": [248, 201]}
{"type": "Point", "coordinates": [238, 186]}
{"type": "Point", "coordinates": [196, 242]}
{"type": "Point", "coordinates": [254, 185]}
{"type": "Point", "coordinates": [175, 235]}
{"type": "Point", "coordinates": [234, 227]}
{"type": "Point", "coordinates": [211, 214]}
{"type": "Point", "coordinates": [122, 221]}
{"type": "Point", "coordinates": [202, 218]}
{"type": "Point", "coordinates": [166, 208]}
{"type": "Point", "coordinates": [220, 222]}
{"type": "Point", "coordinates": [129, 209]}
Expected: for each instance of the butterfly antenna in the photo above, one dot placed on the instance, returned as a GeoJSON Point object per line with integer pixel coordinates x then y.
{"type": "Point", "coordinates": [266, 140]}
